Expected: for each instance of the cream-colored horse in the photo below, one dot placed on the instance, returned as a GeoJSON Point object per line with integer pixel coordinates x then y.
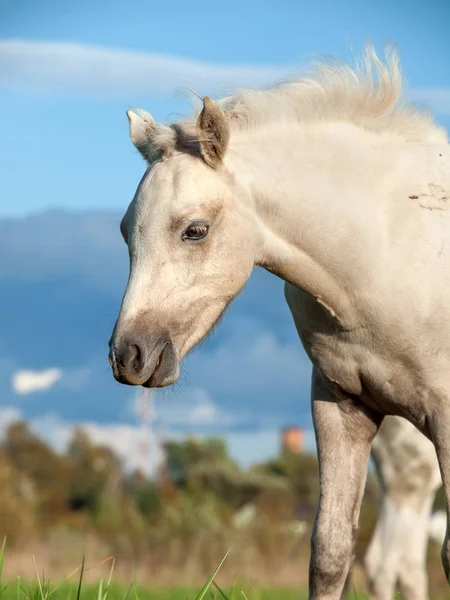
{"type": "Point", "coordinates": [341, 190]}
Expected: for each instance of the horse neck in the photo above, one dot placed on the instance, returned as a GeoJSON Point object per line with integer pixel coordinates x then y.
{"type": "Point", "coordinates": [312, 189]}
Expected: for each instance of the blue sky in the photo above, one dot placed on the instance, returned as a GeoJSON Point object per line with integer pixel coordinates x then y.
{"type": "Point", "coordinates": [68, 72]}
{"type": "Point", "coordinates": [62, 112]}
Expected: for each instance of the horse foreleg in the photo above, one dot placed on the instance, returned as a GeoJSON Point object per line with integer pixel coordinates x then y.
{"type": "Point", "coordinates": [344, 432]}
{"type": "Point", "coordinates": [440, 434]}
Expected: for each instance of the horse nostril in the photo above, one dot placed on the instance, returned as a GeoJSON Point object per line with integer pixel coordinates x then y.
{"type": "Point", "coordinates": [129, 355]}
{"type": "Point", "coordinates": [135, 359]}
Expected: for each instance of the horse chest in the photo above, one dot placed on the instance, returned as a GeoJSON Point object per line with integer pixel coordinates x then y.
{"type": "Point", "coordinates": [350, 368]}
{"type": "Point", "coordinates": [352, 364]}
{"type": "Point", "coordinates": [338, 360]}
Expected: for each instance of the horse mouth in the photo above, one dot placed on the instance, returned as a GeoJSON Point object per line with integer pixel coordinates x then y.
{"type": "Point", "coordinates": [155, 379]}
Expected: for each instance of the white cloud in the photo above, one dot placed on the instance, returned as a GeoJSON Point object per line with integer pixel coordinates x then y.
{"type": "Point", "coordinates": [83, 69]}
{"type": "Point", "coordinates": [27, 382]}
{"type": "Point", "coordinates": [66, 67]}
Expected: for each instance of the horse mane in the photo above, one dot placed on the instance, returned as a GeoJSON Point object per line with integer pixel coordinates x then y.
{"type": "Point", "coordinates": [371, 96]}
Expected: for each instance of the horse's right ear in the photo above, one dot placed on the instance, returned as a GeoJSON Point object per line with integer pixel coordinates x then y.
{"type": "Point", "coordinates": [213, 133]}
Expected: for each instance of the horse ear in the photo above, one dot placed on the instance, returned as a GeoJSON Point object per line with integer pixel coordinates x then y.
{"type": "Point", "coordinates": [213, 132]}
{"type": "Point", "coordinates": [141, 127]}
{"type": "Point", "coordinates": [152, 140]}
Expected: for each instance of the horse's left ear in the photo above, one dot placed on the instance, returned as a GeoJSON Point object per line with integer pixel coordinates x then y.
{"type": "Point", "coordinates": [213, 132]}
{"type": "Point", "coordinates": [151, 139]}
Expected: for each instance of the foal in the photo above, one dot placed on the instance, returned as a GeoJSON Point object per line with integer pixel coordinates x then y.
{"type": "Point", "coordinates": [338, 187]}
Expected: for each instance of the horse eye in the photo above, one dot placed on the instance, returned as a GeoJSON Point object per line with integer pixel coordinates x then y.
{"type": "Point", "coordinates": [195, 231]}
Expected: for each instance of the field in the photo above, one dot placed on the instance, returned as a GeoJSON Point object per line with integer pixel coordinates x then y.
{"type": "Point", "coordinates": [103, 581]}
{"type": "Point", "coordinates": [75, 588]}
{"type": "Point", "coordinates": [106, 589]}
{"type": "Point", "coordinates": [120, 592]}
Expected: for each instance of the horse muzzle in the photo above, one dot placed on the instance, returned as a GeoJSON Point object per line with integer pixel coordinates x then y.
{"type": "Point", "coordinates": [144, 359]}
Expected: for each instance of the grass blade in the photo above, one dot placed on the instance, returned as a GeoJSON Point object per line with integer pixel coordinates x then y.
{"type": "Point", "coordinates": [67, 577]}
{"type": "Point", "coordinates": [80, 582]}
{"type": "Point", "coordinates": [2, 557]}
{"type": "Point", "coordinates": [41, 591]}
{"type": "Point", "coordinates": [234, 592]}
{"type": "Point", "coordinates": [18, 588]}
{"type": "Point", "coordinates": [135, 585]}
{"type": "Point", "coordinates": [100, 590]}
{"type": "Point", "coordinates": [113, 564]}
{"type": "Point", "coordinates": [128, 591]}
{"type": "Point", "coordinates": [25, 592]}
{"type": "Point", "coordinates": [205, 588]}
{"type": "Point", "coordinates": [220, 590]}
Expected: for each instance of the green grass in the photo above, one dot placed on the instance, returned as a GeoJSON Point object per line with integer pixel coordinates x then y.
{"type": "Point", "coordinates": [120, 592]}
{"type": "Point", "coordinates": [105, 589]}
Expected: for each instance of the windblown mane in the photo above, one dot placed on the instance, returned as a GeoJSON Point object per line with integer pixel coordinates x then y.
{"type": "Point", "coordinates": [369, 95]}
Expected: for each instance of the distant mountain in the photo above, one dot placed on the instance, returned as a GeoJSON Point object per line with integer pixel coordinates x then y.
{"type": "Point", "coordinates": [62, 276]}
